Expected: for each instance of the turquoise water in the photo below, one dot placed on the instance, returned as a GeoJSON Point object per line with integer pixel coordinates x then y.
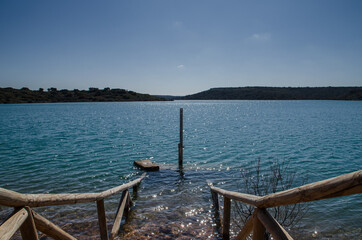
{"type": "Point", "coordinates": [90, 147]}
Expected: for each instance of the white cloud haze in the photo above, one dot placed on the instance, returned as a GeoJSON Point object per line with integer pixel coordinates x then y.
{"type": "Point", "coordinates": [261, 36]}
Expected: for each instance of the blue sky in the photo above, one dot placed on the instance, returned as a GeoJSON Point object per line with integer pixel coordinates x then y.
{"type": "Point", "coordinates": [179, 47]}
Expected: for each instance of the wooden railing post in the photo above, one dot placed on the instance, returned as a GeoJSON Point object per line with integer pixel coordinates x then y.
{"type": "Point", "coordinates": [226, 219]}
{"type": "Point", "coordinates": [28, 229]}
{"type": "Point", "coordinates": [258, 227]}
{"type": "Point", "coordinates": [102, 219]}
{"type": "Point", "coordinates": [215, 201]}
{"type": "Point", "coordinates": [135, 191]}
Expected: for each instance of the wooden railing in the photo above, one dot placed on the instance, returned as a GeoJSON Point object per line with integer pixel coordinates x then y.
{"type": "Point", "coordinates": [261, 220]}
{"type": "Point", "coordinates": [28, 221]}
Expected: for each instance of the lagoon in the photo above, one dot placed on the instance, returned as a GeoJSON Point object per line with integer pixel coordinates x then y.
{"type": "Point", "coordinates": [90, 147]}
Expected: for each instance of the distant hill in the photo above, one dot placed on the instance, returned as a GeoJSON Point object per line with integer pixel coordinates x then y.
{"type": "Point", "coordinates": [25, 95]}
{"type": "Point", "coordinates": [279, 93]}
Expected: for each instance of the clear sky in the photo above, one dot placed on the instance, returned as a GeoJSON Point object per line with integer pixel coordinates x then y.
{"type": "Point", "coordinates": [179, 47]}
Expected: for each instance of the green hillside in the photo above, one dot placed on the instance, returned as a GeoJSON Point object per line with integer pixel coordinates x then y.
{"type": "Point", "coordinates": [25, 95]}
{"type": "Point", "coordinates": [279, 93]}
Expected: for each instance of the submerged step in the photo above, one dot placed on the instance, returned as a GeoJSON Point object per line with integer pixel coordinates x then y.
{"type": "Point", "coordinates": [147, 165]}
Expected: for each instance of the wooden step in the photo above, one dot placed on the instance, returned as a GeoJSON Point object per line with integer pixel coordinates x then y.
{"type": "Point", "coordinates": [147, 165]}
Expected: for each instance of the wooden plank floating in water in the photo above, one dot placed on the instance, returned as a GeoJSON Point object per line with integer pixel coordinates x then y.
{"type": "Point", "coordinates": [147, 165]}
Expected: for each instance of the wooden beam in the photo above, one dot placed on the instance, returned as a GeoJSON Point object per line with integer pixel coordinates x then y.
{"type": "Point", "coordinates": [180, 145]}
{"type": "Point", "coordinates": [10, 226]}
{"type": "Point", "coordinates": [343, 185]}
{"type": "Point", "coordinates": [13, 199]}
{"type": "Point", "coordinates": [119, 215]}
{"type": "Point", "coordinates": [135, 191]}
{"type": "Point", "coordinates": [226, 219]}
{"type": "Point", "coordinates": [273, 227]}
{"type": "Point", "coordinates": [245, 232]}
{"type": "Point", "coordinates": [242, 197]}
{"type": "Point", "coordinates": [147, 165]}
{"type": "Point", "coordinates": [258, 228]}
{"type": "Point", "coordinates": [50, 229]}
{"type": "Point", "coordinates": [340, 185]}
{"type": "Point", "coordinates": [129, 200]}
{"type": "Point", "coordinates": [102, 221]}
{"type": "Point", "coordinates": [215, 200]}
{"type": "Point", "coordinates": [28, 229]}
{"type": "Point", "coordinates": [216, 206]}
{"type": "Point", "coordinates": [350, 191]}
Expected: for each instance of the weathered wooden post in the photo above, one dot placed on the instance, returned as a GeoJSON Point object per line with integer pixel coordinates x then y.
{"type": "Point", "coordinates": [135, 191]}
{"type": "Point", "coordinates": [102, 219]}
{"type": "Point", "coordinates": [226, 219]}
{"type": "Point", "coordinates": [215, 200]}
{"type": "Point", "coordinates": [28, 229]}
{"type": "Point", "coordinates": [180, 145]}
{"type": "Point", "coordinates": [258, 227]}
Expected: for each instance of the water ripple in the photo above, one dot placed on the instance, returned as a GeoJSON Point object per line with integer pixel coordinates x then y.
{"type": "Point", "coordinates": [86, 147]}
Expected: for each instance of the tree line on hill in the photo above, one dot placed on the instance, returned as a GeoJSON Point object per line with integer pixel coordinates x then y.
{"type": "Point", "coordinates": [25, 95]}
{"type": "Point", "coordinates": [279, 93]}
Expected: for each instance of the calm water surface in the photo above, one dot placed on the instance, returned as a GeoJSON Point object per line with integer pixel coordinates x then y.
{"type": "Point", "coordinates": [90, 147]}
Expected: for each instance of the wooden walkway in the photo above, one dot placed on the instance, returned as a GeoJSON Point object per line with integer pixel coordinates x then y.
{"type": "Point", "coordinates": [261, 220]}
{"type": "Point", "coordinates": [28, 221]}
{"type": "Point", "coordinates": [25, 219]}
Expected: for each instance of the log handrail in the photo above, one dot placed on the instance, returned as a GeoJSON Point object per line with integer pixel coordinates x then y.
{"type": "Point", "coordinates": [28, 221]}
{"type": "Point", "coordinates": [241, 197]}
{"type": "Point", "coordinates": [343, 185]}
{"type": "Point", "coordinates": [14, 199]}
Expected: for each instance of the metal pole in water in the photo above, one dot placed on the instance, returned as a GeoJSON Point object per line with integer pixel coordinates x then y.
{"type": "Point", "coordinates": [180, 145]}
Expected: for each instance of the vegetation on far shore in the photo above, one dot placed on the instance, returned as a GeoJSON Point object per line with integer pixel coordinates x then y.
{"type": "Point", "coordinates": [279, 93]}
{"type": "Point", "coordinates": [25, 95]}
